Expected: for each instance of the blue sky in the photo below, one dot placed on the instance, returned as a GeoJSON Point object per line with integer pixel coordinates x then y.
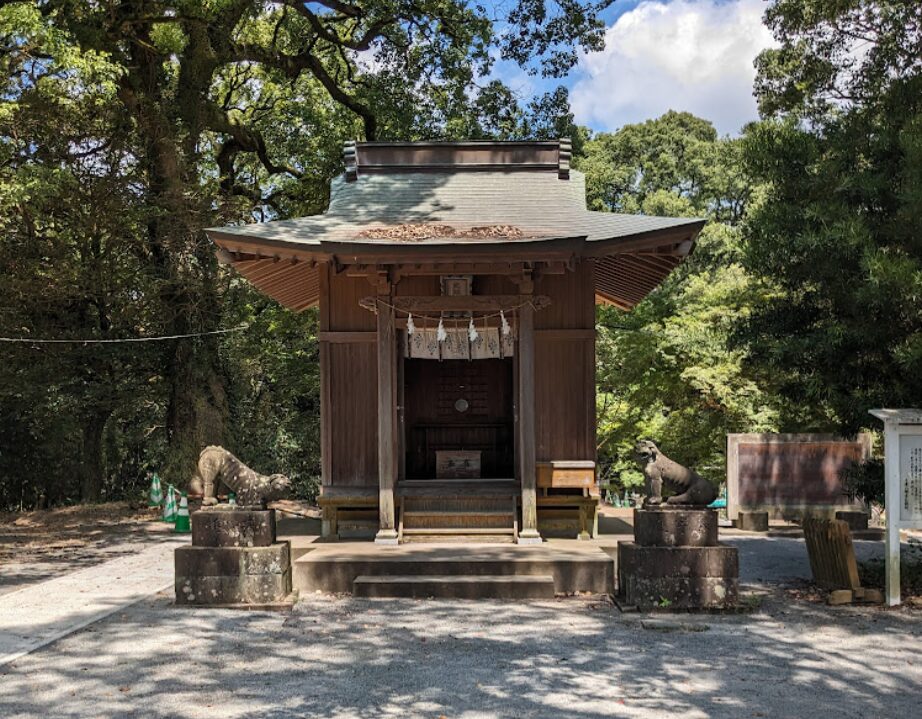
{"type": "Point", "coordinates": [693, 55]}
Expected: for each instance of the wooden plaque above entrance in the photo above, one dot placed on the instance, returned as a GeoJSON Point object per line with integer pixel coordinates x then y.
{"type": "Point", "coordinates": [468, 303]}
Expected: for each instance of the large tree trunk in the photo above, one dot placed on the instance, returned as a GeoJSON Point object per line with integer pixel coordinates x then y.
{"type": "Point", "coordinates": [93, 464]}
{"type": "Point", "coordinates": [197, 409]}
{"type": "Point", "coordinates": [196, 398]}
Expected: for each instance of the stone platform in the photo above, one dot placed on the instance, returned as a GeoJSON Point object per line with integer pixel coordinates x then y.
{"type": "Point", "coordinates": [504, 571]}
{"type": "Point", "coordinates": [234, 559]}
{"type": "Point", "coordinates": [677, 562]}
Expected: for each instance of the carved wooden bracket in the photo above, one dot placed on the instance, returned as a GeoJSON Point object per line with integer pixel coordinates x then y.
{"type": "Point", "coordinates": [468, 303]}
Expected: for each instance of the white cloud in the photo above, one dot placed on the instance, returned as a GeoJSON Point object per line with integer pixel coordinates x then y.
{"type": "Point", "coordinates": [693, 55]}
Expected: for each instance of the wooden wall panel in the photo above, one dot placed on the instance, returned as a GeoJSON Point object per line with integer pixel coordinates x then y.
{"type": "Point", "coordinates": [353, 420]}
{"type": "Point", "coordinates": [572, 299]}
{"type": "Point", "coordinates": [494, 285]}
{"type": "Point", "coordinates": [565, 367]}
{"type": "Point", "coordinates": [419, 285]}
{"type": "Point", "coordinates": [345, 314]}
{"type": "Point", "coordinates": [564, 399]}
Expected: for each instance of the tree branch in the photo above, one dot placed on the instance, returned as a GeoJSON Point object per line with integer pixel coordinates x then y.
{"type": "Point", "coordinates": [292, 66]}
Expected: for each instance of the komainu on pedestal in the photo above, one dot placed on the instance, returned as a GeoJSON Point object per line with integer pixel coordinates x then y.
{"type": "Point", "coordinates": [661, 472]}
{"type": "Point", "coordinates": [676, 560]}
{"type": "Point", "coordinates": [219, 469]}
{"type": "Point", "coordinates": [235, 558]}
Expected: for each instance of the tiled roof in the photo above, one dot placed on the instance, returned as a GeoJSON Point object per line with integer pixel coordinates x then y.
{"type": "Point", "coordinates": [537, 203]}
{"type": "Point", "coordinates": [391, 193]}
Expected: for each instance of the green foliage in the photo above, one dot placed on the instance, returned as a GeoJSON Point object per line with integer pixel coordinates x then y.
{"type": "Point", "coordinates": [126, 128]}
{"type": "Point", "coordinates": [665, 369]}
{"type": "Point", "coordinates": [873, 572]}
{"type": "Point", "coordinates": [834, 237]}
{"type": "Point", "coordinates": [865, 481]}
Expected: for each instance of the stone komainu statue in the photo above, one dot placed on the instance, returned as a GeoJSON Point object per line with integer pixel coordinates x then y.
{"type": "Point", "coordinates": [219, 468]}
{"type": "Point", "coordinates": [690, 487]}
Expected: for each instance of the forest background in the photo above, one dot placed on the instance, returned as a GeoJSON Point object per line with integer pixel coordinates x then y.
{"type": "Point", "coordinates": [127, 127]}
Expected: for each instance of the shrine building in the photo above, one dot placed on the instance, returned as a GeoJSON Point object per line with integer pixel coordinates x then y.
{"type": "Point", "coordinates": [456, 285]}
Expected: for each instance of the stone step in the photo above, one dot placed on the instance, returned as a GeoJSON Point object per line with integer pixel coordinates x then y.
{"type": "Point", "coordinates": [489, 586]}
{"type": "Point", "coordinates": [333, 567]}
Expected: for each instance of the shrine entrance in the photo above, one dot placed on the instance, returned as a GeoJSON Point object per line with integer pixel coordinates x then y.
{"type": "Point", "coordinates": [458, 419]}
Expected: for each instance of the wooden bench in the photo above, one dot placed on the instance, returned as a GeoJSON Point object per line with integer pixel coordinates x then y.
{"type": "Point", "coordinates": [340, 504]}
{"type": "Point", "coordinates": [562, 506]}
{"type": "Point", "coordinates": [568, 485]}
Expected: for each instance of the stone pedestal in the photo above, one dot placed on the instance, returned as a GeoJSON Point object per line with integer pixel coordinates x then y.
{"type": "Point", "coordinates": [676, 562]}
{"type": "Point", "coordinates": [856, 521]}
{"type": "Point", "coordinates": [752, 521]}
{"type": "Point", "coordinates": [234, 559]}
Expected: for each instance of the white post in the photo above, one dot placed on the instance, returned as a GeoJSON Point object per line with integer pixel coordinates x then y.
{"type": "Point", "coordinates": [892, 493]}
{"type": "Point", "coordinates": [902, 485]}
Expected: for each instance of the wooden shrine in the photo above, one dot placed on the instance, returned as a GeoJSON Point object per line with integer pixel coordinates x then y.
{"type": "Point", "coordinates": [456, 285]}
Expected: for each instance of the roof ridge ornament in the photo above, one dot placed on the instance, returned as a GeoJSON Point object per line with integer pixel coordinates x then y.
{"type": "Point", "coordinates": [350, 158]}
{"type": "Point", "coordinates": [564, 155]}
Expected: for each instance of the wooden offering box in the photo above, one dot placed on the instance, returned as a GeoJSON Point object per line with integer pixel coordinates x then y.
{"type": "Point", "coordinates": [457, 464]}
{"type": "Point", "coordinates": [567, 474]}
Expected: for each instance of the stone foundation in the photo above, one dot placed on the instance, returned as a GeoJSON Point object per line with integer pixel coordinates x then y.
{"type": "Point", "coordinates": [752, 521]}
{"type": "Point", "coordinates": [220, 527]}
{"type": "Point", "coordinates": [856, 521]}
{"type": "Point", "coordinates": [676, 562]}
{"type": "Point", "coordinates": [669, 527]}
{"type": "Point", "coordinates": [234, 559]}
{"type": "Point", "coordinates": [678, 577]}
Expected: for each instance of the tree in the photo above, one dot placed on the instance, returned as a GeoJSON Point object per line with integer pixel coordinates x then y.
{"type": "Point", "coordinates": [834, 238]}
{"type": "Point", "coordinates": [168, 116]}
{"type": "Point", "coordinates": [666, 370]}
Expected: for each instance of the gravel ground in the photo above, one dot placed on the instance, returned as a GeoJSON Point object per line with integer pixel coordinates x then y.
{"type": "Point", "coordinates": [344, 657]}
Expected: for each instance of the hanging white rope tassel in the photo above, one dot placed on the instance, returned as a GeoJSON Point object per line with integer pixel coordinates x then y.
{"type": "Point", "coordinates": [472, 333]}
{"type": "Point", "coordinates": [506, 329]}
{"type": "Point", "coordinates": [440, 334]}
{"type": "Point", "coordinates": [411, 328]}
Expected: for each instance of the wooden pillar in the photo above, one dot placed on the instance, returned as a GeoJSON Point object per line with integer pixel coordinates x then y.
{"type": "Point", "coordinates": [387, 423]}
{"type": "Point", "coordinates": [528, 534]}
{"type": "Point", "coordinates": [328, 523]}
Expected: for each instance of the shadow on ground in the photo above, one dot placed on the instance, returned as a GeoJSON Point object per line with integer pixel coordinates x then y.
{"type": "Point", "coordinates": [344, 657]}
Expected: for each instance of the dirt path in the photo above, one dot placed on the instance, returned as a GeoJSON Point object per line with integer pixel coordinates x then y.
{"type": "Point", "coordinates": [36, 546]}
{"type": "Point", "coordinates": [40, 613]}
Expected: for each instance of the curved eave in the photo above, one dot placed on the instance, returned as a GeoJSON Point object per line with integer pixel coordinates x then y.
{"type": "Point", "coordinates": [627, 268]}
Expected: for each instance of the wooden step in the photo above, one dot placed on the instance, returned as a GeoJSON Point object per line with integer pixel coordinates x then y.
{"type": "Point", "coordinates": [458, 530]}
{"type": "Point", "coordinates": [457, 513]}
{"type": "Point", "coordinates": [488, 586]}
{"type": "Point", "coordinates": [460, 539]}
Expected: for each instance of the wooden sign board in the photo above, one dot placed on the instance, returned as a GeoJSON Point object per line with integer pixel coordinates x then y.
{"type": "Point", "coordinates": [457, 464]}
{"type": "Point", "coordinates": [789, 475]}
{"type": "Point", "coordinates": [910, 479]}
{"type": "Point", "coordinates": [902, 485]}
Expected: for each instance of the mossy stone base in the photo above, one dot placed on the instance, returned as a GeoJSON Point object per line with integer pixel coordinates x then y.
{"type": "Point", "coordinates": [678, 577]}
{"type": "Point", "coordinates": [233, 575]}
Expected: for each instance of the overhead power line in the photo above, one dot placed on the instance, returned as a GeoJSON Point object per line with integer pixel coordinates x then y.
{"type": "Point", "coordinates": [124, 340]}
